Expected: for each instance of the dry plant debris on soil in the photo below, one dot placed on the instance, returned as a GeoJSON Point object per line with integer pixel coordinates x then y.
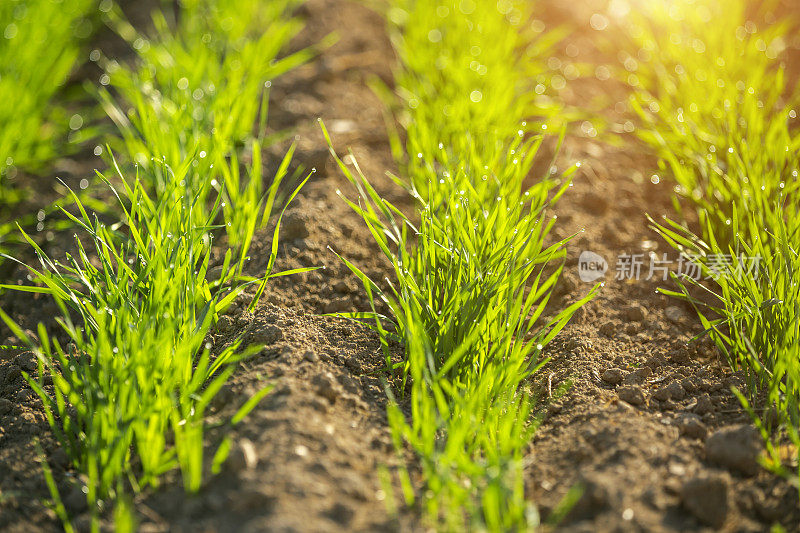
{"type": "Point", "coordinates": [406, 374]}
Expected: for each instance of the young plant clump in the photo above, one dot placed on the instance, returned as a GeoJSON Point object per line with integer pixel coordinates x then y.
{"type": "Point", "coordinates": [127, 387]}
{"type": "Point", "coordinates": [472, 278]}
{"type": "Point", "coordinates": [40, 43]}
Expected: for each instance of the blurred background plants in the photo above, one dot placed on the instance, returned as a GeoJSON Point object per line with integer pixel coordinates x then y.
{"type": "Point", "coordinates": [716, 105]}
{"type": "Point", "coordinates": [198, 88]}
{"type": "Point", "coordinates": [41, 42]}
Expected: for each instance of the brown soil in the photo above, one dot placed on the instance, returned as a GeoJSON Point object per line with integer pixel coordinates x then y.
{"type": "Point", "coordinates": [648, 428]}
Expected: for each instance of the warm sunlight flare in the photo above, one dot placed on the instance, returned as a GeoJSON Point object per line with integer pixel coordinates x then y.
{"type": "Point", "coordinates": [451, 265]}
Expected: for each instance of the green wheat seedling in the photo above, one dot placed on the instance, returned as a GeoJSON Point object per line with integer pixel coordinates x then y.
{"type": "Point", "coordinates": [199, 86]}
{"type": "Point", "coordinates": [715, 103]}
{"type": "Point", "coordinates": [472, 272]}
{"type": "Point", "coordinates": [40, 42]}
{"type": "Point", "coordinates": [39, 47]}
{"type": "Point", "coordinates": [719, 112]}
{"type": "Point", "coordinates": [468, 305]}
{"type": "Point", "coordinates": [469, 70]}
{"type": "Point", "coordinates": [131, 389]}
{"type": "Point", "coordinates": [752, 314]}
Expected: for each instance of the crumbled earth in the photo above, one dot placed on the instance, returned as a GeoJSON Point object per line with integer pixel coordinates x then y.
{"type": "Point", "coordinates": [635, 415]}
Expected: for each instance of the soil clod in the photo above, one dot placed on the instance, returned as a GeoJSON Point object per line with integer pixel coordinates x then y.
{"type": "Point", "coordinates": [632, 394]}
{"type": "Point", "coordinates": [736, 448]}
{"type": "Point", "coordinates": [613, 376]}
{"type": "Point", "coordinates": [706, 497]}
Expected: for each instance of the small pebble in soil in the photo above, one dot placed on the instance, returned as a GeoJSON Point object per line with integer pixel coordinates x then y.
{"type": "Point", "coordinates": [267, 335]}
{"type": "Point", "coordinates": [736, 448]}
{"type": "Point", "coordinates": [337, 305]}
{"type": "Point", "coordinates": [691, 426]}
{"type": "Point", "coordinates": [301, 450]}
{"type": "Point", "coordinates": [674, 314]}
{"type": "Point", "coordinates": [311, 356]}
{"type": "Point", "coordinates": [243, 457]}
{"type": "Point", "coordinates": [638, 376]}
{"type": "Point", "coordinates": [636, 313]}
{"type": "Point", "coordinates": [294, 225]}
{"type": "Point", "coordinates": [27, 361]}
{"type": "Point", "coordinates": [706, 497]}
{"type": "Point", "coordinates": [608, 329]}
{"type": "Point", "coordinates": [5, 406]}
{"type": "Point", "coordinates": [612, 376]}
{"type": "Point", "coordinates": [631, 394]}
{"type": "Point", "coordinates": [326, 386]}
{"type": "Point", "coordinates": [676, 469]}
